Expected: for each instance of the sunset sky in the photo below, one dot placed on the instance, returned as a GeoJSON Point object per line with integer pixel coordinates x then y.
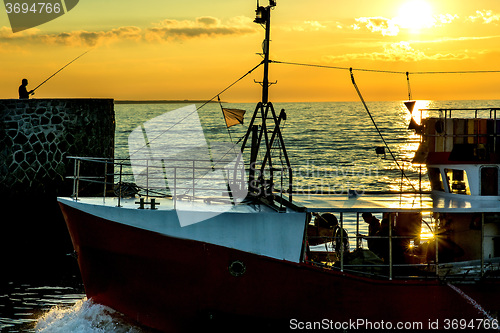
{"type": "Point", "coordinates": [192, 49]}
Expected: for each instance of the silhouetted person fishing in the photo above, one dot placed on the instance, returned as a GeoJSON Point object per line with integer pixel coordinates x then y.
{"type": "Point", "coordinates": [23, 91]}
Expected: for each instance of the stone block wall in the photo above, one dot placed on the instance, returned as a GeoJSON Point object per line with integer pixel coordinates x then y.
{"type": "Point", "coordinates": [37, 135]}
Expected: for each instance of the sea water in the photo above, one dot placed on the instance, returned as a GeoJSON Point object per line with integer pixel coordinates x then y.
{"type": "Point", "coordinates": [331, 147]}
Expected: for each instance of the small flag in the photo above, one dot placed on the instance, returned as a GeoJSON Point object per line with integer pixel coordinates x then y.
{"type": "Point", "coordinates": [233, 116]}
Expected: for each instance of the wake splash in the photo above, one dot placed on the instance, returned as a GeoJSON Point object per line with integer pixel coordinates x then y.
{"type": "Point", "coordinates": [84, 317]}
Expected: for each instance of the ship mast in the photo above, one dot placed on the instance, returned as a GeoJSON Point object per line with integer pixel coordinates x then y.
{"type": "Point", "coordinates": [268, 156]}
{"type": "Point", "coordinates": [263, 16]}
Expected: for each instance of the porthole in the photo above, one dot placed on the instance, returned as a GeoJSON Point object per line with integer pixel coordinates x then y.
{"type": "Point", "coordinates": [439, 126]}
{"type": "Point", "coordinates": [237, 268]}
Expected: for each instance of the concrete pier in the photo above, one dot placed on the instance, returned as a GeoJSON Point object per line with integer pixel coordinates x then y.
{"type": "Point", "coordinates": [36, 136]}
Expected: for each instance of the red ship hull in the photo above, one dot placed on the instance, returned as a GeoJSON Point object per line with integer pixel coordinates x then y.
{"type": "Point", "coordinates": [174, 284]}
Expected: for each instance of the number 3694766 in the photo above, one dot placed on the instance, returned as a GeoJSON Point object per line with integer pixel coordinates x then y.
{"type": "Point", "coordinates": [35, 8]}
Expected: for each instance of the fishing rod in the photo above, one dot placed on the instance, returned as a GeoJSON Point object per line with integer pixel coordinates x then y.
{"type": "Point", "coordinates": [60, 69]}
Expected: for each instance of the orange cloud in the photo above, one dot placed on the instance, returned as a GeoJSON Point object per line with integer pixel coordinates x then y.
{"type": "Point", "coordinates": [200, 27]}
{"type": "Point", "coordinates": [377, 24]}
{"type": "Point", "coordinates": [166, 30]}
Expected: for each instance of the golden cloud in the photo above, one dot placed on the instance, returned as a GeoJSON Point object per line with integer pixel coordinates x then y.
{"type": "Point", "coordinates": [400, 52]}
{"type": "Point", "coordinates": [385, 26]}
{"type": "Point", "coordinates": [484, 16]}
{"type": "Point", "coordinates": [201, 27]}
{"type": "Point", "coordinates": [166, 30]}
{"type": "Point", "coordinates": [305, 26]}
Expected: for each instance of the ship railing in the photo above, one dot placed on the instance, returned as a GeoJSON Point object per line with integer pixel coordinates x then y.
{"type": "Point", "coordinates": [415, 265]}
{"type": "Point", "coordinates": [483, 134]}
{"type": "Point", "coordinates": [473, 113]}
{"type": "Point", "coordinates": [470, 268]}
{"type": "Point", "coordinates": [148, 177]}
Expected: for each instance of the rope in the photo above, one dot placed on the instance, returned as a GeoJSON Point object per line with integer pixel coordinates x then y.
{"type": "Point", "coordinates": [229, 86]}
{"type": "Point", "coordinates": [378, 130]}
{"type": "Point", "coordinates": [335, 67]}
{"type": "Point", "coordinates": [382, 71]}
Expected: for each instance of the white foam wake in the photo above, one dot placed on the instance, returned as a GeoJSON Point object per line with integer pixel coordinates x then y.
{"type": "Point", "coordinates": [83, 317]}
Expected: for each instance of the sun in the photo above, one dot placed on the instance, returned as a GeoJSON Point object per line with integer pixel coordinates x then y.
{"type": "Point", "coordinates": [415, 15]}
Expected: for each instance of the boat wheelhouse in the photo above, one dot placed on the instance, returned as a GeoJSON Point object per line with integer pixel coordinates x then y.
{"type": "Point", "coordinates": [460, 148]}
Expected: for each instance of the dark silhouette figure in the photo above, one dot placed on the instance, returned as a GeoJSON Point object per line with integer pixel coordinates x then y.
{"type": "Point", "coordinates": [23, 92]}
{"type": "Point", "coordinates": [341, 238]}
{"type": "Point", "coordinates": [323, 229]}
{"type": "Point", "coordinates": [373, 229]}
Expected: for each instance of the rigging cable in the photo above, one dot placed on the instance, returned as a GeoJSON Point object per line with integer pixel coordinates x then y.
{"type": "Point", "coordinates": [381, 70]}
{"type": "Point", "coordinates": [350, 69]}
{"type": "Point", "coordinates": [198, 108]}
{"type": "Point", "coordinates": [229, 86]}
{"type": "Point", "coordinates": [378, 130]}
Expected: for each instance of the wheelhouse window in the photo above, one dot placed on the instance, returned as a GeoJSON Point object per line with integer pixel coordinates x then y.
{"type": "Point", "coordinates": [436, 179]}
{"type": "Point", "coordinates": [489, 181]}
{"type": "Point", "coordinates": [457, 181]}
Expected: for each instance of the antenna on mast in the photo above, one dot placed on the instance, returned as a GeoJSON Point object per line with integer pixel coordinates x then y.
{"type": "Point", "coordinates": [263, 17]}
{"type": "Point", "coordinates": [268, 156]}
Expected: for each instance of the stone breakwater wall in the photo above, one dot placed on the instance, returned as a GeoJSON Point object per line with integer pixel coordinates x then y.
{"type": "Point", "coordinates": [37, 135]}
